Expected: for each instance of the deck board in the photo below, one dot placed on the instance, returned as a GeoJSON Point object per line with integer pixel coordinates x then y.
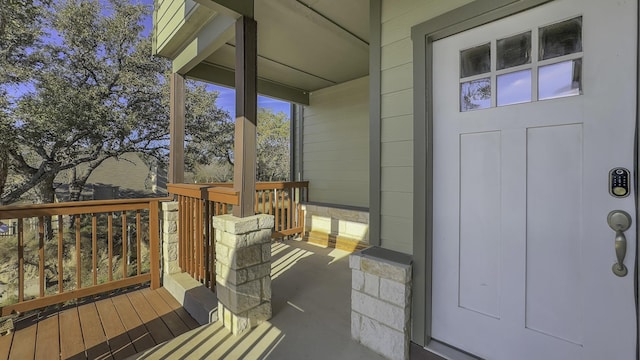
{"type": "Point", "coordinates": [168, 316]}
{"type": "Point", "coordinates": [95, 341]}
{"type": "Point", "coordinates": [5, 346]}
{"type": "Point", "coordinates": [175, 306]}
{"type": "Point", "coordinates": [108, 327]}
{"type": "Point", "coordinates": [71, 345]}
{"type": "Point", "coordinates": [157, 328]}
{"type": "Point", "coordinates": [26, 334]}
{"type": "Point", "coordinates": [138, 333]}
{"type": "Point", "coordinates": [47, 339]}
{"type": "Point", "coordinates": [119, 341]}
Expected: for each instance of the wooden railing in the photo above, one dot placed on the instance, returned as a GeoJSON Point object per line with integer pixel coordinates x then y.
{"type": "Point", "coordinates": [284, 201]}
{"type": "Point", "coordinates": [198, 203]}
{"type": "Point", "coordinates": [115, 244]}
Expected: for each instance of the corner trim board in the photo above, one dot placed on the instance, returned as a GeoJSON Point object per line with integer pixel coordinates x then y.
{"type": "Point", "coordinates": [375, 137]}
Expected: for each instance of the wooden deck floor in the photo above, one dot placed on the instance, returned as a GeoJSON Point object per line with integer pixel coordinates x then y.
{"type": "Point", "coordinates": [113, 327]}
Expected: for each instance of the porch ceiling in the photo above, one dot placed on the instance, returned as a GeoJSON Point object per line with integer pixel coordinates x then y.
{"type": "Point", "coordinates": [303, 45]}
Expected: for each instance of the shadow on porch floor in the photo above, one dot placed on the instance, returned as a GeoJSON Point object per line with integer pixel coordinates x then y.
{"type": "Point", "coordinates": [311, 303]}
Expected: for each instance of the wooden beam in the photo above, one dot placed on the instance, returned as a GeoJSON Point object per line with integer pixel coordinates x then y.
{"type": "Point", "coordinates": [176, 128]}
{"type": "Point", "coordinates": [220, 75]}
{"type": "Point", "coordinates": [244, 173]}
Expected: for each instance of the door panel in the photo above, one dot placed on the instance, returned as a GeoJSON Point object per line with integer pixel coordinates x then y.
{"type": "Point", "coordinates": [522, 252]}
{"type": "Point", "coordinates": [480, 169]}
{"type": "Point", "coordinates": [553, 304]}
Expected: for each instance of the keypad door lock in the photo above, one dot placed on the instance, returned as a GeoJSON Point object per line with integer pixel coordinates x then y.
{"type": "Point", "coordinates": [619, 182]}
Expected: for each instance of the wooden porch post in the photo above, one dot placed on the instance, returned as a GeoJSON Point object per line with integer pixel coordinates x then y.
{"type": "Point", "coordinates": [244, 172]}
{"type": "Point", "coordinates": [176, 129]}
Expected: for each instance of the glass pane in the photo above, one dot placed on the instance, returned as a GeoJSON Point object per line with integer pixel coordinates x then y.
{"type": "Point", "coordinates": [514, 88]}
{"type": "Point", "coordinates": [475, 61]}
{"type": "Point", "coordinates": [514, 51]}
{"type": "Point", "coordinates": [475, 94]}
{"type": "Point", "coordinates": [560, 80]}
{"type": "Point", "coordinates": [561, 39]}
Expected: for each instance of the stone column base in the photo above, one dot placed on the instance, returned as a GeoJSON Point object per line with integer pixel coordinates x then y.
{"type": "Point", "coordinates": [240, 323]}
{"type": "Point", "coordinates": [243, 270]}
{"type": "Point", "coordinates": [381, 301]}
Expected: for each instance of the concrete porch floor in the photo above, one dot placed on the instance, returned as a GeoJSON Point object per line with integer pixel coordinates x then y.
{"type": "Point", "coordinates": [311, 300]}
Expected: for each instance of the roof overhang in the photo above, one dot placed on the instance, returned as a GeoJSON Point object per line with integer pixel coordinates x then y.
{"type": "Point", "coordinates": [303, 45]}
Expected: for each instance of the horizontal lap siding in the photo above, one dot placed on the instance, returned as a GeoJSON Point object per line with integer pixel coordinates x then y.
{"type": "Point", "coordinates": [396, 198]}
{"type": "Point", "coordinates": [171, 15]}
{"type": "Point", "coordinates": [336, 144]}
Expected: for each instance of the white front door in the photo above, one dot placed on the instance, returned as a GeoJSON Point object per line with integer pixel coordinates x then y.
{"type": "Point", "coordinates": [530, 115]}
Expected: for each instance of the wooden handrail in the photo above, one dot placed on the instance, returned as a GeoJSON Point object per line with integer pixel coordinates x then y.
{"type": "Point", "coordinates": [75, 207]}
{"type": "Point", "coordinates": [264, 185]}
{"type": "Point", "coordinates": [48, 216]}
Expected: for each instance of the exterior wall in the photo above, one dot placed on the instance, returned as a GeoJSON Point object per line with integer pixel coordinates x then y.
{"type": "Point", "coordinates": [175, 22]}
{"type": "Point", "coordinates": [396, 151]}
{"type": "Point", "coordinates": [336, 144]}
{"type": "Point", "coordinates": [169, 16]}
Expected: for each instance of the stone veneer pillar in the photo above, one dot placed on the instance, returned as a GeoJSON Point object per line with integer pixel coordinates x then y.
{"type": "Point", "coordinates": [169, 218]}
{"type": "Point", "coordinates": [243, 270]}
{"type": "Point", "coordinates": [381, 301]}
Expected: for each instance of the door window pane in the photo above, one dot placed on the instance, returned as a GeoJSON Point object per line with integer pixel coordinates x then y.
{"type": "Point", "coordinates": [560, 39]}
{"type": "Point", "coordinates": [513, 51]}
{"type": "Point", "coordinates": [475, 94]}
{"type": "Point", "coordinates": [560, 80]}
{"type": "Point", "coordinates": [514, 88]}
{"type": "Point", "coordinates": [475, 61]}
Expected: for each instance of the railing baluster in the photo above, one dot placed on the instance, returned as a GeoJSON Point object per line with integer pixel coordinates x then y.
{"type": "Point", "coordinates": [290, 210]}
{"type": "Point", "coordinates": [60, 254]}
{"type": "Point", "coordinates": [154, 244]}
{"type": "Point", "coordinates": [194, 239]}
{"type": "Point", "coordinates": [203, 240]}
{"type": "Point", "coordinates": [20, 260]}
{"type": "Point", "coordinates": [94, 247]}
{"type": "Point", "coordinates": [125, 250]}
{"type": "Point", "coordinates": [198, 241]}
{"type": "Point", "coordinates": [207, 246]}
{"type": "Point", "coordinates": [185, 234]}
{"type": "Point", "coordinates": [181, 232]}
{"type": "Point", "coordinates": [78, 253]}
{"type": "Point", "coordinates": [189, 236]}
{"type": "Point", "coordinates": [276, 223]}
{"type": "Point", "coordinates": [256, 203]}
{"type": "Point", "coordinates": [283, 213]}
{"type": "Point", "coordinates": [212, 249]}
{"type": "Point", "coordinates": [41, 255]}
{"type": "Point", "coordinates": [262, 199]}
{"type": "Point", "coordinates": [138, 242]}
{"type": "Point", "coordinates": [110, 244]}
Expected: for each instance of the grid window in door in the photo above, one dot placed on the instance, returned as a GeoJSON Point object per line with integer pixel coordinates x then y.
{"type": "Point", "coordinates": [539, 64]}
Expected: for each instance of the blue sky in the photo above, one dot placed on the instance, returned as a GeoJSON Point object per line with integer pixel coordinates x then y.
{"type": "Point", "coordinates": [227, 99]}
